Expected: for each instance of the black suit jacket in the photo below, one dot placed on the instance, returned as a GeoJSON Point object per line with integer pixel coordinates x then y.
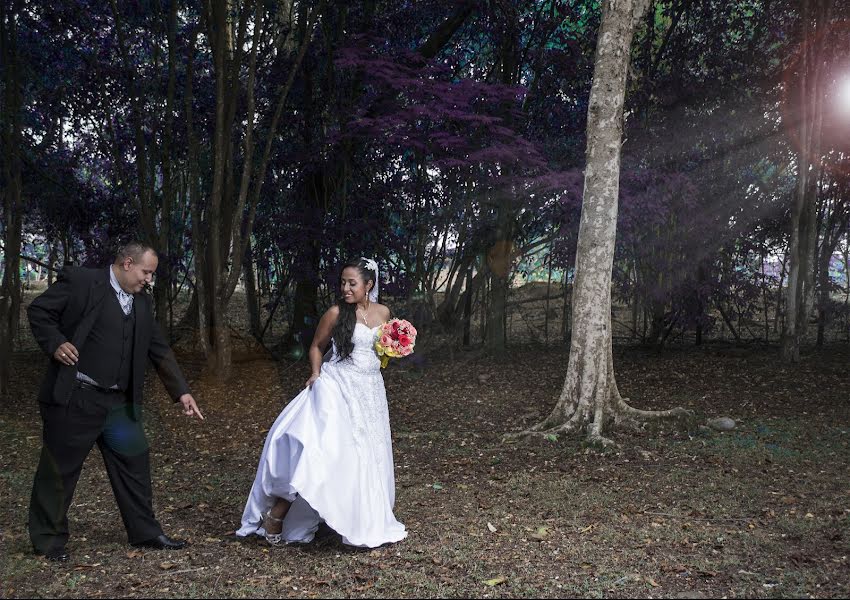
{"type": "Point", "coordinates": [67, 311]}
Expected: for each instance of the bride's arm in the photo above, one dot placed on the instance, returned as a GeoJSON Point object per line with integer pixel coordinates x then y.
{"type": "Point", "coordinates": [320, 342]}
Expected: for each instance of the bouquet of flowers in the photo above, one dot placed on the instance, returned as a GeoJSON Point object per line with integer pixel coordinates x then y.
{"type": "Point", "coordinates": [396, 338]}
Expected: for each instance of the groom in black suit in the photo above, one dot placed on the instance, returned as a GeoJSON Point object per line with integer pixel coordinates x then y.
{"type": "Point", "coordinates": [97, 326]}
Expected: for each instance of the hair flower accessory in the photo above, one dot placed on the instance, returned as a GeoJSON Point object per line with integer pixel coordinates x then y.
{"type": "Point", "coordinates": [372, 266]}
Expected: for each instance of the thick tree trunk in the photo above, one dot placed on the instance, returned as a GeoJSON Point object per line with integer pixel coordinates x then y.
{"type": "Point", "coordinates": [222, 356]}
{"type": "Point", "coordinates": [10, 291]}
{"type": "Point", "coordinates": [11, 190]}
{"type": "Point", "coordinates": [800, 293]}
{"type": "Point", "coordinates": [590, 397]}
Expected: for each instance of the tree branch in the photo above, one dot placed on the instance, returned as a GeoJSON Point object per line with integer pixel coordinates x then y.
{"type": "Point", "coordinates": [444, 32]}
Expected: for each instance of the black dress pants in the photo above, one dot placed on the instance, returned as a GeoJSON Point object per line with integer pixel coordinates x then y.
{"type": "Point", "coordinates": [68, 436]}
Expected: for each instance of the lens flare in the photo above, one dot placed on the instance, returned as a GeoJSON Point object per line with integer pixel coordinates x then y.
{"type": "Point", "coordinates": [843, 97]}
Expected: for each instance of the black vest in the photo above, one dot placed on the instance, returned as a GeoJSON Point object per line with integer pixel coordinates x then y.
{"type": "Point", "coordinates": [107, 356]}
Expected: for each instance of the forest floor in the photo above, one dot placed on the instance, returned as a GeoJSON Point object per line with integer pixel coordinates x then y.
{"type": "Point", "coordinates": [761, 511]}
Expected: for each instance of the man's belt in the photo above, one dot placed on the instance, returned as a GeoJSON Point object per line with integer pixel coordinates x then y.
{"type": "Point", "coordinates": [96, 388]}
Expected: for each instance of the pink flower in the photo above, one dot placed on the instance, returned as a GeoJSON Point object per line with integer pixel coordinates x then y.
{"type": "Point", "coordinates": [396, 338]}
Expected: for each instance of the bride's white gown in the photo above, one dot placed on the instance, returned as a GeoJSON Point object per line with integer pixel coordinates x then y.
{"type": "Point", "coordinates": [330, 453]}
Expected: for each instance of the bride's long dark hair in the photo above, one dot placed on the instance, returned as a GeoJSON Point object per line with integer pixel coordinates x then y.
{"type": "Point", "coordinates": [343, 330]}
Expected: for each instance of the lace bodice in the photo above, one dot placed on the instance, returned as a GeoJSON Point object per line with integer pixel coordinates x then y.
{"type": "Point", "coordinates": [363, 358]}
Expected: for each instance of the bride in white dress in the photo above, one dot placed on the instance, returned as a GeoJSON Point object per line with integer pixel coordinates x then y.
{"type": "Point", "coordinates": [328, 456]}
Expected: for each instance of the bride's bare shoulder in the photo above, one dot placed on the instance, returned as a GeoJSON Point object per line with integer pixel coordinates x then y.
{"type": "Point", "coordinates": [332, 314]}
{"type": "Point", "coordinates": [384, 311]}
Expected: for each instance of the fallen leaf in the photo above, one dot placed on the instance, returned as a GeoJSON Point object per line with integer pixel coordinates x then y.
{"type": "Point", "coordinates": [166, 566]}
{"type": "Point", "coordinates": [496, 581]}
{"type": "Point", "coordinates": [135, 554]}
{"type": "Point", "coordinates": [491, 527]}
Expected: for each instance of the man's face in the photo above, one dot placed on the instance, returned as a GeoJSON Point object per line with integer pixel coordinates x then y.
{"type": "Point", "coordinates": [136, 274]}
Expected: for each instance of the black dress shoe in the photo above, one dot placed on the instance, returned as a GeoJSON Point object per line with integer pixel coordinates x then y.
{"type": "Point", "coordinates": [55, 555]}
{"type": "Point", "coordinates": [162, 542]}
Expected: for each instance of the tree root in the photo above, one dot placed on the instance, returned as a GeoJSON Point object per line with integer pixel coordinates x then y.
{"type": "Point", "coordinates": [624, 415]}
{"type": "Point", "coordinates": [635, 413]}
{"type": "Point", "coordinates": [600, 441]}
{"type": "Point", "coordinates": [540, 430]}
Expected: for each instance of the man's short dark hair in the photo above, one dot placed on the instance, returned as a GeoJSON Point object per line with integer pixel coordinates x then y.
{"type": "Point", "coordinates": [133, 249]}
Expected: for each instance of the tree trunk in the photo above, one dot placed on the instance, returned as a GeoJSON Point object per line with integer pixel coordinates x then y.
{"type": "Point", "coordinates": [823, 295]}
{"type": "Point", "coordinates": [51, 260]}
{"type": "Point", "coordinates": [237, 182]}
{"type": "Point", "coordinates": [222, 356]}
{"type": "Point", "coordinates": [778, 312]}
{"type": "Point", "coordinates": [501, 253]}
{"type": "Point", "coordinates": [499, 259]}
{"type": "Point", "coordinates": [566, 313]}
{"type": "Point", "coordinates": [590, 397]}
{"type": "Point", "coordinates": [251, 295]}
{"type": "Point", "coordinates": [635, 301]}
{"type": "Point", "coordinates": [833, 232]}
{"type": "Point", "coordinates": [467, 311]}
{"type": "Point", "coordinates": [658, 322]}
{"type": "Point", "coordinates": [845, 252]}
{"type": "Point", "coordinates": [12, 190]}
{"type": "Point", "coordinates": [803, 211]}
